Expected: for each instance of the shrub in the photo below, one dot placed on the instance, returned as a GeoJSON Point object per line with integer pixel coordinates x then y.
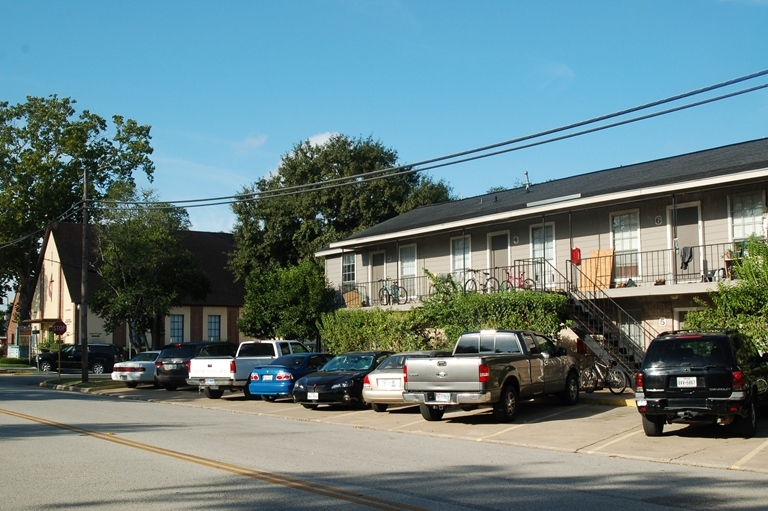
{"type": "Point", "coordinates": [14, 361]}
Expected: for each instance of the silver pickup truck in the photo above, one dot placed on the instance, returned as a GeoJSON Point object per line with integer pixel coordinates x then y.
{"type": "Point", "coordinates": [491, 368]}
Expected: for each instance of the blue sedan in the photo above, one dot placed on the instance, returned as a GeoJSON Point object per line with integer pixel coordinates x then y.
{"type": "Point", "coordinates": [276, 379]}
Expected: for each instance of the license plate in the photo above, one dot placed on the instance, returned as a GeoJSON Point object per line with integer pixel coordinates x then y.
{"type": "Point", "coordinates": [171, 366]}
{"type": "Point", "coordinates": [387, 384]}
{"type": "Point", "coordinates": [686, 381]}
{"type": "Point", "coordinates": [123, 377]}
{"type": "Point", "coordinates": [210, 381]}
{"type": "Point", "coordinates": [312, 396]}
{"type": "Point", "coordinates": [267, 377]}
{"type": "Point", "coordinates": [443, 397]}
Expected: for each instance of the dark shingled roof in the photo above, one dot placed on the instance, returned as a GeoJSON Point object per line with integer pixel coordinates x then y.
{"type": "Point", "coordinates": [688, 167]}
{"type": "Point", "coordinates": [210, 250]}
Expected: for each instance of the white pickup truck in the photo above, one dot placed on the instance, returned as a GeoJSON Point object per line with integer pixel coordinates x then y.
{"type": "Point", "coordinates": [214, 375]}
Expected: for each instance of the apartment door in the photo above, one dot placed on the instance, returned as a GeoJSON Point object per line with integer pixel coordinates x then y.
{"type": "Point", "coordinates": [689, 256]}
{"type": "Point", "coordinates": [498, 256]}
{"type": "Point", "coordinates": [543, 238]}
{"type": "Point", "coordinates": [377, 273]}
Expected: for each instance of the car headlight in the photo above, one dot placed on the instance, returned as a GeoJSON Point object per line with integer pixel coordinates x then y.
{"type": "Point", "coordinates": [342, 385]}
{"type": "Point", "coordinates": [299, 385]}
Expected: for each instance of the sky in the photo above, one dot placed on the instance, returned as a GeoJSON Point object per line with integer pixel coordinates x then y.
{"type": "Point", "coordinates": [230, 87]}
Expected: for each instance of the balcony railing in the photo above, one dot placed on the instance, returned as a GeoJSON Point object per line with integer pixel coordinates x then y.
{"type": "Point", "coordinates": [704, 263]}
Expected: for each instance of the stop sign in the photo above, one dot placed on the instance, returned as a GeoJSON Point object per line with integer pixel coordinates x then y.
{"type": "Point", "coordinates": [59, 328]}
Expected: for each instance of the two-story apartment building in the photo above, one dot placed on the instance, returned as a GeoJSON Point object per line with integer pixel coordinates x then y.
{"type": "Point", "coordinates": [57, 293]}
{"type": "Point", "coordinates": [637, 242]}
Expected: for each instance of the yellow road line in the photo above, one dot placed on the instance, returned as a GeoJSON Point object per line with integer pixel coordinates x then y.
{"type": "Point", "coordinates": [749, 456]}
{"type": "Point", "coordinates": [613, 441]}
{"type": "Point", "coordinates": [289, 482]}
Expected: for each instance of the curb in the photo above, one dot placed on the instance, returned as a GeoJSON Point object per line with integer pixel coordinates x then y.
{"type": "Point", "coordinates": [608, 399]}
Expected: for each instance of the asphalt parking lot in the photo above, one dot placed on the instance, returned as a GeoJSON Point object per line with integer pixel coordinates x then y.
{"type": "Point", "coordinates": [600, 424]}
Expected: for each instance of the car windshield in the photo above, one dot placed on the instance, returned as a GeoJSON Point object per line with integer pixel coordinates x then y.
{"type": "Point", "coordinates": [147, 356]}
{"type": "Point", "coordinates": [688, 351]}
{"type": "Point", "coordinates": [349, 363]}
{"type": "Point", "coordinates": [288, 361]}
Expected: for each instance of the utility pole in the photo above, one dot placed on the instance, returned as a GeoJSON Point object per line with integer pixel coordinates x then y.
{"type": "Point", "coordinates": [84, 283]}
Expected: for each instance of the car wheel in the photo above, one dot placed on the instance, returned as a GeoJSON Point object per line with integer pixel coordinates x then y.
{"type": "Point", "coordinates": [308, 406]}
{"type": "Point", "coordinates": [131, 384]}
{"type": "Point", "coordinates": [213, 393]}
{"type": "Point", "coordinates": [97, 368]}
{"type": "Point", "coordinates": [431, 413]}
{"type": "Point", "coordinates": [379, 407]}
{"type": "Point", "coordinates": [171, 388]}
{"type": "Point", "coordinates": [45, 366]}
{"type": "Point", "coordinates": [270, 399]}
{"type": "Point", "coordinates": [653, 425]}
{"type": "Point", "coordinates": [747, 426]}
{"type": "Point", "coordinates": [570, 395]}
{"type": "Point", "coordinates": [506, 409]}
{"type": "Point", "coordinates": [247, 393]}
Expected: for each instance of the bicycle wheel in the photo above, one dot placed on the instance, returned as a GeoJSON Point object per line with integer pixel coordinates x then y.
{"type": "Point", "coordinates": [507, 287]}
{"type": "Point", "coordinates": [384, 296]}
{"type": "Point", "coordinates": [588, 380]}
{"type": "Point", "coordinates": [402, 295]}
{"type": "Point", "coordinates": [492, 285]}
{"type": "Point", "coordinates": [470, 286]}
{"type": "Point", "coordinates": [529, 284]}
{"type": "Point", "coordinates": [617, 382]}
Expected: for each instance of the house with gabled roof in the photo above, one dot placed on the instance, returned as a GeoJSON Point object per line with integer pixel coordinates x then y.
{"type": "Point", "coordinates": [57, 292]}
{"type": "Point", "coordinates": [632, 246]}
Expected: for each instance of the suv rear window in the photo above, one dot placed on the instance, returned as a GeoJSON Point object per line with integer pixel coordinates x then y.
{"type": "Point", "coordinates": [695, 351]}
{"type": "Point", "coordinates": [178, 352]}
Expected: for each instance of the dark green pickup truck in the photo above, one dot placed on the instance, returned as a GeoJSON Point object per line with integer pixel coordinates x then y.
{"type": "Point", "coordinates": [491, 368]}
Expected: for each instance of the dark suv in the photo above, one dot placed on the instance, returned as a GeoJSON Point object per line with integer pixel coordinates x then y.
{"type": "Point", "coordinates": [172, 365]}
{"type": "Point", "coordinates": [101, 358]}
{"type": "Point", "coordinates": [701, 377]}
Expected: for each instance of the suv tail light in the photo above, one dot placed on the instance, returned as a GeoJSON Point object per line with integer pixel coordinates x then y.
{"type": "Point", "coordinates": [639, 377]}
{"type": "Point", "coordinates": [484, 373]}
{"type": "Point", "coordinates": [158, 363]}
{"type": "Point", "coordinates": [738, 380]}
{"type": "Point", "coordinates": [366, 381]}
{"type": "Point", "coordinates": [187, 363]}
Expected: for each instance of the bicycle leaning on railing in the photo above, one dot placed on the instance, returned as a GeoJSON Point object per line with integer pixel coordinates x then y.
{"type": "Point", "coordinates": [392, 293]}
{"type": "Point", "coordinates": [489, 285]}
{"type": "Point", "coordinates": [513, 283]}
{"type": "Point", "coordinates": [607, 375]}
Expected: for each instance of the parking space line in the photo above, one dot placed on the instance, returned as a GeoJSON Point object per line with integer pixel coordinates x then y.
{"type": "Point", "coordinates": [615, 440]}
{"type": "Point", "coordinates": [749, 456]}
{"type": "Point", "coordinates": [406, 425]}
{"type": "Point", "coordinates": [534, 421]}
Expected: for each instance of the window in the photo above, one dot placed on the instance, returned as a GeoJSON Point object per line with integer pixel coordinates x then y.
{"type": "Point", "coordinates": [625, 233]}
{"type": "Point", "coordinates": [348, 271]}
{"type": "Point", "coordinates": [177, 328]}
{"type": "Point", "coordinates": [460, 257]}
{"type": "Point", "coordinates": [747, 215]}
{"type": "Point", "coordinates": [629, 322]}
{"type": "Point", "coordinates": [408, 269]}
{"type": "Point", "coordinates": [214, 328]}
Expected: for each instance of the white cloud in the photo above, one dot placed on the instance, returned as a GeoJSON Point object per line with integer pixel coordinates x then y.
{"type": "Point", "coordinates": [250, 142]}
{"type": "Point", "coordinates": [321, 138]}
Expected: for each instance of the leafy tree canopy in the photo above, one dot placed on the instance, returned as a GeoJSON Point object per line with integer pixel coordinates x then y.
{"type": "Point", "coordinates": [283, 227]}
{"type": "Point", "coordinates": [45, 148]}
{"type": "Point", "coordinates": [286, 302]}
{"type": "Point", "coordinates": [144, 271]}
{"type": "Point", "coordinates": [740, 304]}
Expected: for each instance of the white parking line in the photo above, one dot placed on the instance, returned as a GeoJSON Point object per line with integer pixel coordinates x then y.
{"type": "Point", "coordinates": [738, 464]}
{"type": "Point", "coordinates": [613, 441]}
{"type": "Point", "coordinates": [534, 421]}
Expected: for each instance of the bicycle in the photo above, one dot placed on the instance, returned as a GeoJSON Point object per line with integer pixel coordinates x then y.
{"type": "Point", "coordinates": [520, 282]}
{"type": "Point", "coordinates": [490, 285]}
{"type": "Point", "coordinates": [392, 293]}
{"type": "Point", "coordinates": [608, 375]}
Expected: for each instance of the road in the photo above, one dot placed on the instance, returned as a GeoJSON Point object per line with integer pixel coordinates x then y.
{"type": "Point", "coordinates": [154, 449]}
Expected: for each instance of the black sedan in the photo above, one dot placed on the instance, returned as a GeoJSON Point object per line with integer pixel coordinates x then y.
{"type": "Point", "coordinates": [340, 381]}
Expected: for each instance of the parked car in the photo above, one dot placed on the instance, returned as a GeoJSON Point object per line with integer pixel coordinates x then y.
{"type": "Point", "coordinates": [139, 369]}
{"type": "Point", "coordinates": [101, 358]}
{"type": "Point", "coordinates": [276, 379]}
{"type": "Point", "coordinates": [700, 377]}
{"type": "Point", "coordinates": [340, 381]}
{"type": "Point", "coordinates": [384, 386]}
{"type": "Point", "coordinates": [172, 365]}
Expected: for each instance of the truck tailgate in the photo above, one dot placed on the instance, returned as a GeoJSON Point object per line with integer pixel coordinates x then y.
{"type": "Point", "coordinates": [449, 374]}
{"type": "Point", "coordinates": [209, 367]}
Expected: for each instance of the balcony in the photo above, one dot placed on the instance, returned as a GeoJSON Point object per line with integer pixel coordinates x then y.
{"type": "Point", "coordinates": [688, 270]}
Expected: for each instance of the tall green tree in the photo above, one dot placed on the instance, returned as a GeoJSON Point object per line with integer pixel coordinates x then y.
{"type": "Point", "coordinates": [282, 227]}
{"type": "Point", "coordinates": [143, 268]}
{"type": "Point", "coordinates": [45, 148]}
{"type": "Point", "coordinates": [286, 302]}
{"type": "Point", "coordinates": [740, 304]}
